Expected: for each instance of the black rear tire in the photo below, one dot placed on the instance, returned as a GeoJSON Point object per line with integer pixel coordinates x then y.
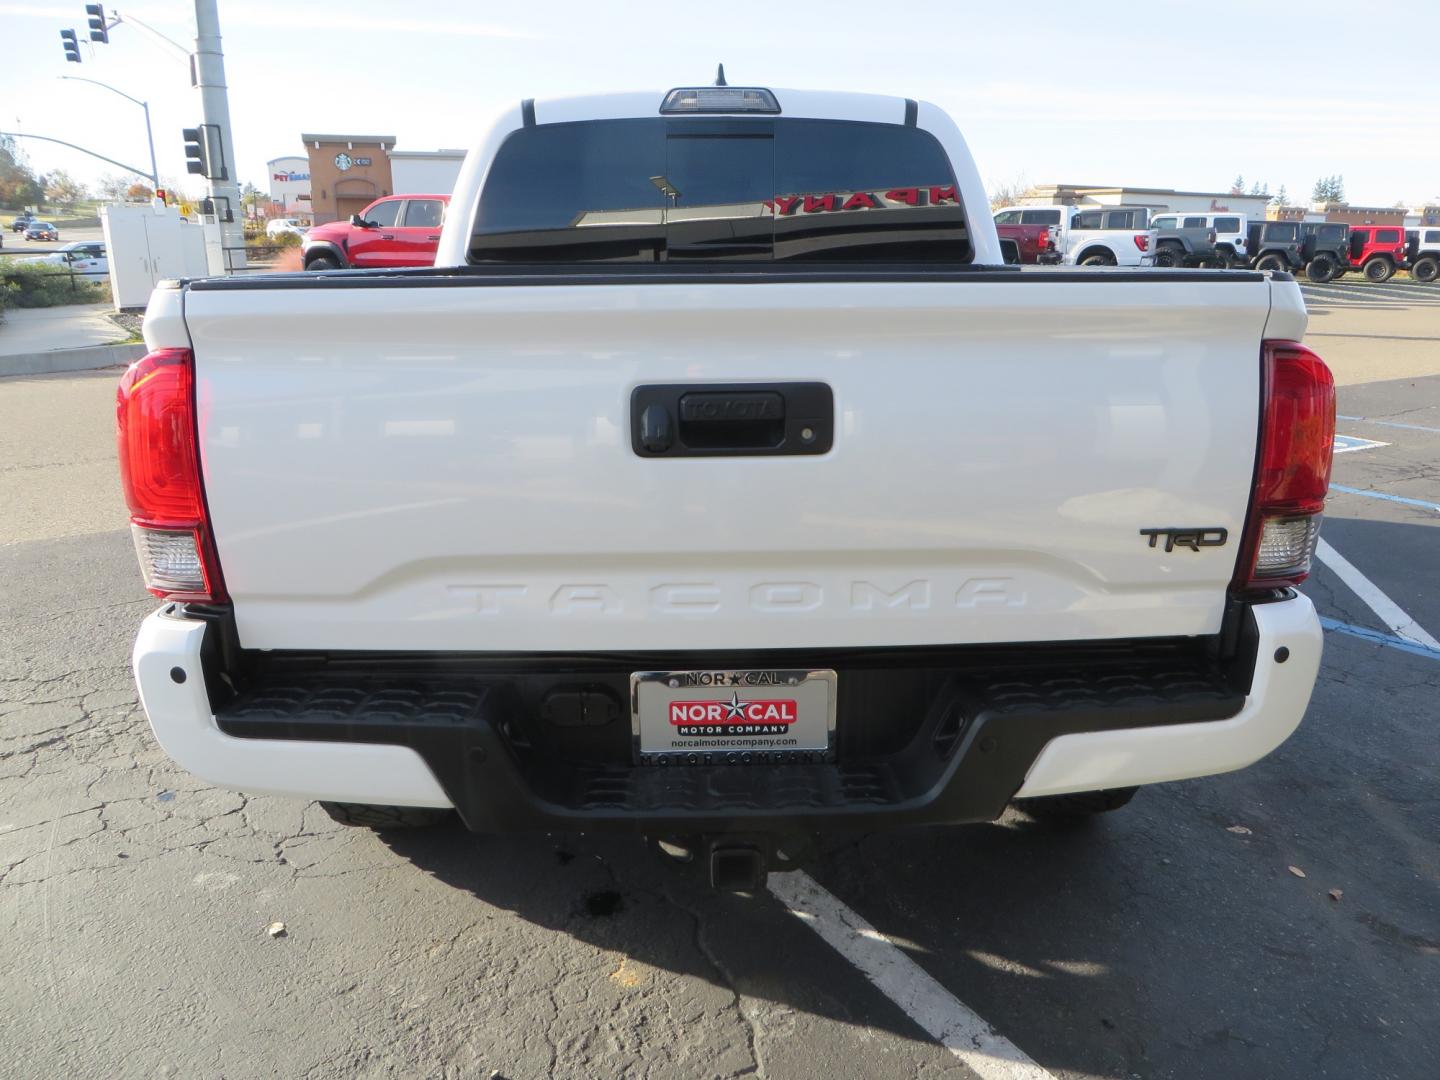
{"type": "Point", "coordinates": [1426, 269]}
{"type": "Point", "coordinates": [381, 818]}
{"type": "Point", "coordinates": [322, 262]}
{"type": "Point", "coordinates": [1169, 256]}
{"type": "Point", "coordinates": [1098, 259]}
{"type": "Point", "coordinates": [1080, 804]}
{"type": "Point", "coordinates": [1379, 271]}
{"type": "Point", "coordinates": [1270, 262]}
{"type": "Point", "coordinates": [1321, 269]}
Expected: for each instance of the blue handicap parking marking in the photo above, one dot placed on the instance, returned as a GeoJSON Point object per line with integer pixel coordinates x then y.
{"type": "Point", "coordinates": [1345, 443]}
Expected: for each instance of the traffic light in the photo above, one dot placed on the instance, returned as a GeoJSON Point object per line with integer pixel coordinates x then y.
{"type": "Point", "coordinates": [98, 32]}
{"type": "Point", "coordinates": [72, 46]}
{"type": "Point", "coordinates": [204, 155]}
{"type": "Point", "coordinates": [197, 151]}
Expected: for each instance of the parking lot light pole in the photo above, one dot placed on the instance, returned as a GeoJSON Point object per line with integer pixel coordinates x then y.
{"type": "Point", "coordinates": [154, 172]}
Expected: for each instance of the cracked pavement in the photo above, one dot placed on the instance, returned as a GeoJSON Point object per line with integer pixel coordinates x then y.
{"type": "Point", "coordinates": [134, 899]}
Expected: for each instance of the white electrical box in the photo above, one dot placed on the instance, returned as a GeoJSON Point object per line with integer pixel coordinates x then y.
{"type": "Point", "coordinates": [147, 244]}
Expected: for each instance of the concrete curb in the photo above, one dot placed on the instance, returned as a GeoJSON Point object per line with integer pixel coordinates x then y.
{"type": "Point", "coordinates": [83, 359]}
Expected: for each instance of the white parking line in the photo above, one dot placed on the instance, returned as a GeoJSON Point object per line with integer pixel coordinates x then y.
{"type": "Point", "coordinates": [1391, 613]}
{"type": "Point", "coordinates": [949, 1021]}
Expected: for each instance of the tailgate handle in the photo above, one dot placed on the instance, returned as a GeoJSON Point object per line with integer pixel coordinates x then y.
{"type": "Point", "coordinates": [737, 420]}
{"type": "Point", "coordinates": [751, 419]}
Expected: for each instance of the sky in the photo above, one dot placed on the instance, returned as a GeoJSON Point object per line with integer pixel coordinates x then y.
{"type": "Point", "coordinates": [1138, 92]}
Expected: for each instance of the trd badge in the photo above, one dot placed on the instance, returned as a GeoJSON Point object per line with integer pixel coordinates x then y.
{"type": "Point", "coordinates": [1191, 538]}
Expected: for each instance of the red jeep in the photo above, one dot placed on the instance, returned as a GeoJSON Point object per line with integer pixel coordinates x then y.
{"type": "Point", "coordinates": [398, 230]}
{"type": "Point", "coordinates": [1378, 250]}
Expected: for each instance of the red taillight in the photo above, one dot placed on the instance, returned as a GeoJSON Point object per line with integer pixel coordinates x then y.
{"type": "Point", "coordinates": [1142, 241]}
{"type": "Point", "coordinates": [155, 433]}
{"type": "Point", "coordinates": [1297, 438]}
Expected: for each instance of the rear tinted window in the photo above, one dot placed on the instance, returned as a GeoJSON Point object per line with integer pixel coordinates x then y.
{"type": "Point", "coordinates": [1387, 236]}
{"type": "Point", "coordinates": [1227, 224]}
{"type": "Point", "coordinates": [657, 190]}
{"type": "Point", "coordinates": [1432, 236]}
{"type": "Point", "coordinates": [1090, 219]}
{"type": "Point", "coordinates": [1124, 219]}
{"type": "Point", "coordinates": [1040, 217]}
{"type": "Point", "coordinates": [423, 213]}
{"type": "Point", "coordinates": [1194, 223]}
{"type": "Point", "coordinates": [1282, 230]}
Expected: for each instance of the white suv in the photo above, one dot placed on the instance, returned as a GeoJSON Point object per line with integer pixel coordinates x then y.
{"type": "Point", "coordinates": [280, 226]}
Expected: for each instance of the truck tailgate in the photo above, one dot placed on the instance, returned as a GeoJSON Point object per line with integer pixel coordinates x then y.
{"type": "Point", "coordinates": [447, 465]}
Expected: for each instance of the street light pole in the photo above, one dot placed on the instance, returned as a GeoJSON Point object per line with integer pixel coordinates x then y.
{"type": "Point", "coordinates": [149, 135]}
{"type": "Point", "coordinates": [147, 28]}
{"type": "Point", "coordinates": [72, 146]}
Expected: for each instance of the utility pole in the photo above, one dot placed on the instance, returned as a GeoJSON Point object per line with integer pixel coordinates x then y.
{"type": "Point", "coordinates": [209, 78]}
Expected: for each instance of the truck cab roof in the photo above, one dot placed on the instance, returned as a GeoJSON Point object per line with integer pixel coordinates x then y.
{"type": "Point", "coordinates": [806, 104]}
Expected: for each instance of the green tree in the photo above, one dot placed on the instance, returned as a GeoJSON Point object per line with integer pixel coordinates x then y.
{"type": "Point", "coordinates": [1237, 186]}
{"type": "Point", "coordinates": [19, 185]}
{"type": "Point", "coordinates": [1282, 197]}
{"type": "Point", "coordinates": [253, 200]}
{"type": "Point", "coordinates": [1329, 189]}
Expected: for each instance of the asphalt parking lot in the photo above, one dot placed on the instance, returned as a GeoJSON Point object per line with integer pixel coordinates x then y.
{"type": "Point", "coordinates": [1172, 939]}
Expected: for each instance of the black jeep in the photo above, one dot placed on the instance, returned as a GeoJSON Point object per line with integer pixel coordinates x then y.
{"type": "Point", "coordinates": [1274, 245]}
{"type": "Point", "coordinates": [1325, 248]}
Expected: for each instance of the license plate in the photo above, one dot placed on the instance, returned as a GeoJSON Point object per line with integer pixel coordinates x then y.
{"type": "Point", "coordinates": [751, 717]}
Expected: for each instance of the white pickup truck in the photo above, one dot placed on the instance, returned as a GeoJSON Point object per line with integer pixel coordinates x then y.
{"type": "Point", "coordinates": [718, 484]}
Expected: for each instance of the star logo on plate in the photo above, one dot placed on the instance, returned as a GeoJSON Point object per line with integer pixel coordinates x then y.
{"type": "Point", "coordinates": [735, 708]}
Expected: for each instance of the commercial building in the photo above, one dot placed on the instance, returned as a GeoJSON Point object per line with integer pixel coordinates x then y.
{"type": "Point", "coordinates": [289, 186]}
{"type": "Point", "coordinates": [1155, 198]}
{"type": "Point", "coordinates": [347, 173]}
{"type": "Point", "coordinates": [425, 172]}
{"type": "Point", "coordinates": [1363, 215]}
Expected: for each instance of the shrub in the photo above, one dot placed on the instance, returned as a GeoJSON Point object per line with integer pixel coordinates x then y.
{"type": "Point", "coordinates": [262, 244]}
{"type": "Point", "coordinates": [39, 284]}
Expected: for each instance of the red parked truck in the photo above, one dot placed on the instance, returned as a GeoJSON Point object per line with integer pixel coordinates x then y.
{"type": "Point", "coordinates": [397, 230]}
{"type": "Point", "coordinates": [1037, 242]}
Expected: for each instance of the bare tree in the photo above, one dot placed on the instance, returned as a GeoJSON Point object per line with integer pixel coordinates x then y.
{"type": "Point", "coordinates": [63, 190]}
{"type": "Point", "coordinates": [1007, 192]}
{"type": "Point", "coordinates": [113, 187]}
